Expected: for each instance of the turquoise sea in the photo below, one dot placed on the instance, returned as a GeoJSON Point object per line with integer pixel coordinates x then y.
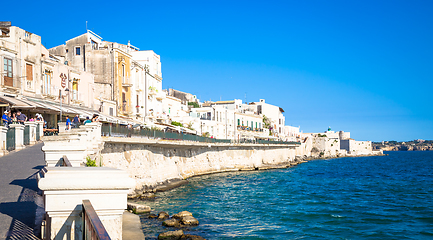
{"type": "Point", "coordinates": [387, 197]}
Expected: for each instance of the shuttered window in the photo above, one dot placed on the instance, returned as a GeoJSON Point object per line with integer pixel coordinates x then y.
{"type": "Point", "coordinates": [8, 68]}
{"type": "Point", "coordinates": [29, 71]}
{"type": "Point", "coordinates": [29, 76]}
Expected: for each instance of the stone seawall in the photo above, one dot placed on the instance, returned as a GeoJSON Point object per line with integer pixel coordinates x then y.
{"type": "Point", "coordinates": [153, 163]}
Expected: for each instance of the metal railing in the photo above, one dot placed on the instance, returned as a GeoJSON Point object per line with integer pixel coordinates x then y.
{"type": "Point", "coordinates": [93, 227]}
{"type": "Point", "coordinates": [65, 162]}
{"type": "Point", "coordinates": [10, 139]}
{"type": "Point", "coordinates": [116, 130]}
{"type": "Point", "coordinates": [26, 139]}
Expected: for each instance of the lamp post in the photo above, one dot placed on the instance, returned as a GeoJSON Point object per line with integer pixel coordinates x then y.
{"type": "Point", "coordinates": [61, 100]}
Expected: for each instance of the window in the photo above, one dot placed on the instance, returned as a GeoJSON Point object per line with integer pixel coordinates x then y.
{"type": "Point", "coordinates": [47, 82]}
{"type": "Point", "coordinates": [123, 73]}
{"type": "Point", "coordinates": [77, 51]}
{"type": "Point", "coordinates": [123, 102]}
{"type": "Point", "coordinates": [239, 122]}
{"type": "Point", "coordinates": [8, 79]}
{"type": "Point", "coordinates": [260, 125]}
{"type": "Point", "coordinates": [29, 76]}
{"type": "Point", "coordinates": [75, 89]}
{"type": "Point", "coordinates": [111, 111]}
{"type": "Point", "coordinates": [94, 45]}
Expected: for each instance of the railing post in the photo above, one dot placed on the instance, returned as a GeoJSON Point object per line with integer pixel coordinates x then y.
{"type": "Point", "coordinates": [19, 135]}
{"type": "Point", "coordinates": [66, 188]}
{"type": "Point", "coordinates": [3, 139]}
{"type": "Point", "coordinates": [32, 132]}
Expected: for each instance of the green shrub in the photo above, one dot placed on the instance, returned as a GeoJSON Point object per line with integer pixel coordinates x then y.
{"type": "Point", "coordinates": [194, 104]}
{"type": "Point", "coordinates": [90, 162]}
{"type": "Point", "coordinates": [174, 123]}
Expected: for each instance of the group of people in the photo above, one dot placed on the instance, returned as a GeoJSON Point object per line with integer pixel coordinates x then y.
{"type": "Point", "coordinates": [18, 117]}
{"type": "Point", "coordinates": [75, 123]}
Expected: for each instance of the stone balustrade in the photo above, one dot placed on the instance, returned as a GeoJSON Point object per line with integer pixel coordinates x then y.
{"type": "Point", "coordinates": [76, 144]}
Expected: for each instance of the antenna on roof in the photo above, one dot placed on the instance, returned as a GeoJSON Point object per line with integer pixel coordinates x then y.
{"type": "Point", "coordinates": [86, 26]}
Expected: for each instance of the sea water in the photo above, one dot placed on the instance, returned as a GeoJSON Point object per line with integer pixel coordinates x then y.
{"type": "Point", "coordinates": [383, 197]}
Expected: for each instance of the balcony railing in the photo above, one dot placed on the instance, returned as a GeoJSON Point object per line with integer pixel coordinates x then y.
{"type": "Point", "coordinates": [93, 227]}
{"type": "Point", "coordinates": [245, 128]}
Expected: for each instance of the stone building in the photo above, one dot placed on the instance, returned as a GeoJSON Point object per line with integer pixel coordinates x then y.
{"type": "Point", "coordinates": [128, 82]}
{"type": "Point", "coordinates": [153, 95]}
{"type": "Point", "coordinates": [274, 114]}
{"type": "Point", "coordinates": [111, 65]}
{"type": "Point", "coordinates": [20, 58]}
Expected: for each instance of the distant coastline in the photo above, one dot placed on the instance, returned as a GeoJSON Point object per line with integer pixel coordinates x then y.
{"type": "Point", "coordinates": [415, 145]}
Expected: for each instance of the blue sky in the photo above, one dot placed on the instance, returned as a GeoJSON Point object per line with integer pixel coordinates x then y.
{"type": "Point", "coordinates": [359, 66]}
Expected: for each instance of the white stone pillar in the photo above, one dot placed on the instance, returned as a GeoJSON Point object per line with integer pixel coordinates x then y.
{"type": "Point", "coordinates": [40, 125]}
{"type": "Point", "coordinates": [66, 188]}
{"type": "Point", "coordinates": [3, 139]}
{"type": "Point", "coordinates": [32, 133]}
{"type": "Point", "coordinates": [94, 135]}
{"type": "Point", "coordinates": [55, 147]}
{"type": "Point", "coordinates": [62, 127]}
{"type": "Point", "coordinates": [19, 135]}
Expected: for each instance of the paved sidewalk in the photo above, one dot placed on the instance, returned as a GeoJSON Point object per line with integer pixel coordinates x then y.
{"type": "Point", "coordinates": [19, 200]}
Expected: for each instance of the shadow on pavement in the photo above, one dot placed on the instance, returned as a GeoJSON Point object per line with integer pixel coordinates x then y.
{"type": "Point", "coordinates": [23, 211]}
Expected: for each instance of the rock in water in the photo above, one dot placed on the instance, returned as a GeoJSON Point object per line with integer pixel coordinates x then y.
{"type": "Point", "coordinates": [191, 237]}
{"type": "Point", "coordinates": [147, 196]}
{"type": "Point", "coordinates": [189, 221]}
{"type": "Point", "coordinates": [153, 216]}
{"type": "Point", "coordinates": [182, 214]}
{"type": "Point", "coordinates": [171, 223]}
{"type": "Point", "coordinates": [138, 208]}
{"type": "Point", "coordinates": [163, 215]}
{"type": "Point", "coordinates": [172, 235]}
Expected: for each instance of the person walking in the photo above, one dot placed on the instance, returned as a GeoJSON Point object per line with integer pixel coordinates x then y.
{"type": "Point", "coordinates": [5, 119]}
{"type": "Point", "coordinates": [21, 117]}
{"type": "Point", "coordinates": [68, 123]}
{"type": "Point", "coordinates": [76, 121]}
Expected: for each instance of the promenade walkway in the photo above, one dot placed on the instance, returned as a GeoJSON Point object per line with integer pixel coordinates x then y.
{"type": "Point", "coordinates": [21, 208]}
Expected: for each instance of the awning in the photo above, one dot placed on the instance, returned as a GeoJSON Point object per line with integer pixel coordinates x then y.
{"type": "Point", "coordinates": [16, 103]}
{"type": "Point", "coordinates": [50, 106]}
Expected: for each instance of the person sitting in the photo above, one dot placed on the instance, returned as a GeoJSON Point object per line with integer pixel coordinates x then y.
{"type": "Point", "coordinates": [87, 121]}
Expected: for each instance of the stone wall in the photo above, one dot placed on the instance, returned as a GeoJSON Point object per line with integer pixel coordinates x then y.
{"type": "Point", "coordinates": [154, 162]}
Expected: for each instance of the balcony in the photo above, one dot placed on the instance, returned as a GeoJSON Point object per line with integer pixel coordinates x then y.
{"type": "Point", "coordinates": [245, 128]}
{"type": "Point", "coordinates": [126, 82]}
